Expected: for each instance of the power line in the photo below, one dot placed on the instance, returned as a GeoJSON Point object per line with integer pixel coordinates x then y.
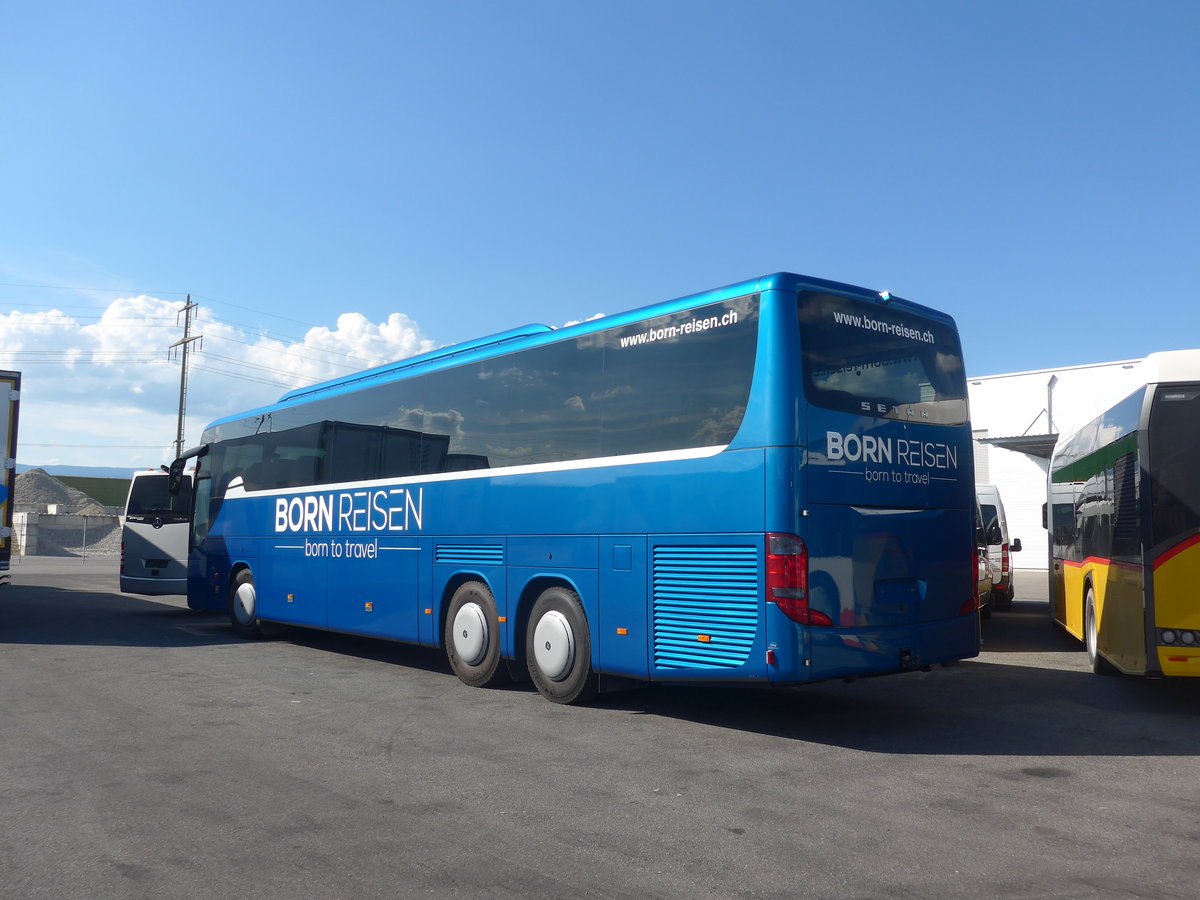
{"type": "Point", "coordinates": [259, 311]}
{"type": "Point", "coordinates": [285, 350]}
{"type": "Point", "coordinates": [161, 322]}
{"type": "Point", "coordinates": [137, 292]}
{"type": "Point", "coordinates": [74, 321]}
{"type": "Point", "coordinates": [269, 382]}
{"type": "Point", "coordinates": [98, 290]}
{"type": "Point", "coordinates": [96, 446]}
{"type": "Point", "coordinates": [83, 358]}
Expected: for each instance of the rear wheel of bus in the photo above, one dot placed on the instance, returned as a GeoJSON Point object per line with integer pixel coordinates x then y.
{"type": "Point", "coordinates": [558, 647]}
{"type": "Point", "coordinates": [243, 606]}
{"type": "Point", "coordinates": [472, 636]}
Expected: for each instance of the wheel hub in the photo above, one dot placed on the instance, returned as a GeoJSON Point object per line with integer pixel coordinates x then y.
{"type": "Point", "coordinates": [554, 645]}
{"type": "Point", "coordinates": [470, 634]}
{"type": "Point", "coordinates": [244, 603]}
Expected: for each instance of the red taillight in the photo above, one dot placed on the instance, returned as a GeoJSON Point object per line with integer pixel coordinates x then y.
{"type": "Point", "coordinates": [787, 579]}
{"type": "Point", "coordinates": [972, 605]}
{"type": "Point", "coordinates": [1004, 559]}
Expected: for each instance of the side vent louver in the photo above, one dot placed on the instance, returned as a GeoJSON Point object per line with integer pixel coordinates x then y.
{"type": "Point", "coordinates": [469, 554]}
{"type": "Point", "coordinates": [706, 602]}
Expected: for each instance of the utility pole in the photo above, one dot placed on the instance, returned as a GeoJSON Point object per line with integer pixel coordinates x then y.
{"type": "Point", "coordinates": [185, 342]}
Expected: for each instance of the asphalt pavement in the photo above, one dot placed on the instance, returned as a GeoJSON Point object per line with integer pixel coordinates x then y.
{"type": "Point", "coordinates": [146, 751]}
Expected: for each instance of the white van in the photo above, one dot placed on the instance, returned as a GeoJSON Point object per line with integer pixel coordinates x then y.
{"type": "Point", "coordinates": [999, 547]}
{"type": "Point", "coordinates": [154, 536]}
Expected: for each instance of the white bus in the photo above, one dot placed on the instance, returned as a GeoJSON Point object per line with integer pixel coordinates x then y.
{"type": "Point", "coordinates": [154, 535]}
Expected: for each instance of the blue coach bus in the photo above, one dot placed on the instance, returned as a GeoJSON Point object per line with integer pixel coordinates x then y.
{"type": "Point", "coordinates": [770, 482]}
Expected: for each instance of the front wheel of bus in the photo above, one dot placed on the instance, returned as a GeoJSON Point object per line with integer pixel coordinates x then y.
{"type": "Point", "coordinates": [558, 648]}
{"type": "Point", "coordinates": [1091, 631]}
{"type": "Point", "coordinates": [472, 636]}
{"type": "Point", "coordinates": [243, 606]}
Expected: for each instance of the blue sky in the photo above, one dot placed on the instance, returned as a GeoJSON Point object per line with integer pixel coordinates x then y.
{"type": "Point", "coordinates": [1029, 167]}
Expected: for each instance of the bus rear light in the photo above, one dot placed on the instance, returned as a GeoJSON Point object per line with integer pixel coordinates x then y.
{"type": "Point", "coordinates": [787, 579]}
{"type": "Point", "coordinates": [972, 605]}
{"type": "Point", "coordinates": [1004, 559]}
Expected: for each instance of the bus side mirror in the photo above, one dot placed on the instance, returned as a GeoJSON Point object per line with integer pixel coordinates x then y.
{"type": "Point", "coordinates": [1016, 546]}
{"type": "Point", "coordinates": [175, 476]}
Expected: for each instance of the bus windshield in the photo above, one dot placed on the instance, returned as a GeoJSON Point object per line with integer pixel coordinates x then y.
{"type": "Point", "coordinates": [150, 499]}
{"type": "Point", "coordinates": [864, 358]}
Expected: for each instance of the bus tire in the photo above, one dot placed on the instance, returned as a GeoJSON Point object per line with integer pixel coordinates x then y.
{"type": "Point", "coordinates": [243, 606]}
{"type": "Point", "coordinates": [1091, 634]}
{"type": "Point", "coordinates": [472, 636]}
{"type": "Point", "coordinates": [558, 648]}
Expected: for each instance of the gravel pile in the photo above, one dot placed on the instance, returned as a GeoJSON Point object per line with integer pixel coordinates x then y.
{"type": "Point", "coordinates": [36, 489]}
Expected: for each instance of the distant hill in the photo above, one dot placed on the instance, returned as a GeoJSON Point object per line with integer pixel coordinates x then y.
{"type": "Point", "coordinates": [125, 472]}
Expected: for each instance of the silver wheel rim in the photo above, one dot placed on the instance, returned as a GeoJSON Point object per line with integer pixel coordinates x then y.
{"type": "Point", "coordinates": [554, 645]}
{"type": "Point", "coordinates": [244, 602]}
{"type": "Point", "coordinates": [470, 634]}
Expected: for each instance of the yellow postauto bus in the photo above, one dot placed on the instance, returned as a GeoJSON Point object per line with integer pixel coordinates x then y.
{"type": "Point", "coordinates": [1125, 570]}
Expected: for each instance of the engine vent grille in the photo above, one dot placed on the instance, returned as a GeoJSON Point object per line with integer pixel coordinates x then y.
{"type": "Point", "coordinates": [470, 554]}
{"type": "Point", "coordinates": [706, 603]}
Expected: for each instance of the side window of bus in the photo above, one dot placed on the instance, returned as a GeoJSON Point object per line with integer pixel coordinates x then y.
{"type": "Point", "coordinates": [238, 458]}
{"type": "Point", "coordinates": [1125, 539]}
{"type": "Point", "coordinates": [673, 382]}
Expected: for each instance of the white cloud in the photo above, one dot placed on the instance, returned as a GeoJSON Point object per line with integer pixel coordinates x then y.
{"type": "Point", "coordinates": [89, 385]}
{"type": "Point", "coordinates": [591, 318]}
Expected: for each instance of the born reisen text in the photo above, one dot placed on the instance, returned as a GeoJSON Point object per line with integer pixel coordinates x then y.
{"type": "Point", "coordinates": [896, 451]}
{"type": "Point", "coordinates": [369, 511]}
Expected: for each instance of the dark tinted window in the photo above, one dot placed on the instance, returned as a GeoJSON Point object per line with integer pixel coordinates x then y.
{"type": "Point", "coordinates": [149, 499]}
{"type": "Point", "coordinates": [1094, 513]}
{"type": "Point", "coordinates": [1126, 540]}
{"type": "Point", "coordinates": [670, 383]}
{"type": "Point", "coordinates": [880, 361]}
{"type": "Point", "coordinates": [991, 523]}
{"type": "Point", "coordinates": [1175, 485]}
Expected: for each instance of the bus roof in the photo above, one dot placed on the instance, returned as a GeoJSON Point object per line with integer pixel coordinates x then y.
{"type": "Point", "coordinates": [535, 334]}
